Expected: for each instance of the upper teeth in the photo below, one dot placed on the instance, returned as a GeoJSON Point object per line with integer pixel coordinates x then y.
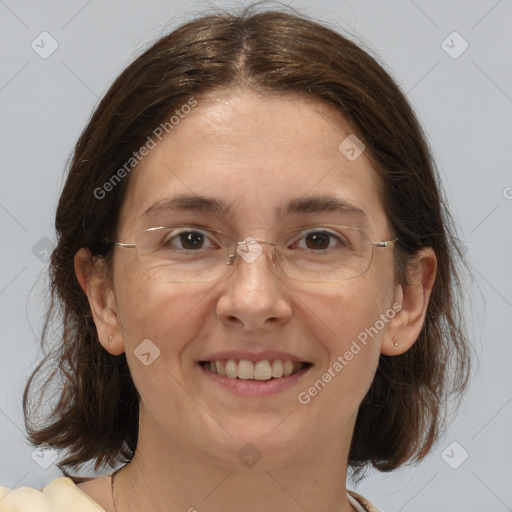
{"type": "Point", "coordinates": [260, 370]}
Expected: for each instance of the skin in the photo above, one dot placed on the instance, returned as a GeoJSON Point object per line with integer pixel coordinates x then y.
{"type": "Point", "coordinates": [255, 153]}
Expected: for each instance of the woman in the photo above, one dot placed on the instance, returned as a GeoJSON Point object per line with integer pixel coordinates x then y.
{"type": "Point", "coordinates": [257, 279]}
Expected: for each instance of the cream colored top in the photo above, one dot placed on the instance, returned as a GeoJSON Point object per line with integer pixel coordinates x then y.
{"type": "Point", "coordinates": [62, 495]}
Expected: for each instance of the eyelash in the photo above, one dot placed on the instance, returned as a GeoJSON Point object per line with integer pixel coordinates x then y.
{"type": "Point", "coordinates": [323, 231]}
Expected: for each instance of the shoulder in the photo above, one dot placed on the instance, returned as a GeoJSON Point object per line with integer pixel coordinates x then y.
{"type": "Point", "coordinates": [60, 495]}
{"type": "Point", "coordinates": [361, 503]}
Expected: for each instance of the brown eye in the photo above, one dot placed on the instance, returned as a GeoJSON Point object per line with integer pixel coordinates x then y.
{"type": "Point", "coordinates": [318, 240]}
{"type": "Point", "coordinates": [191, 240]}
{"type": "Point", "coordinates": [186, 240]}
{"type": "Point", "coordinates": [322, 242]}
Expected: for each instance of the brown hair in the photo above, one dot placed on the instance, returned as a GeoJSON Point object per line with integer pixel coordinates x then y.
{"type": "Point", "coordinates": [402, 415]}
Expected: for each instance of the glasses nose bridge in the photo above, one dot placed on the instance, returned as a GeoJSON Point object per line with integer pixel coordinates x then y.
{"type": "Point", "coordinates": [250, 249]}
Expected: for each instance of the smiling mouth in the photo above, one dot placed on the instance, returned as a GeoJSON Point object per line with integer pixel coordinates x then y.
{"type": "Point", "coordinates": [267, 369]}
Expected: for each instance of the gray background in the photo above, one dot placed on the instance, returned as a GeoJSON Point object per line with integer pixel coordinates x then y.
{"type": "Point", "coordinates": [465, 104]}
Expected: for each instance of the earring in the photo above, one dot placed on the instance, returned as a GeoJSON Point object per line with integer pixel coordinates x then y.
{"type": "Point", "coordinates": [109, 340]}
{"type": "Point", "coordinates": [395, 341]}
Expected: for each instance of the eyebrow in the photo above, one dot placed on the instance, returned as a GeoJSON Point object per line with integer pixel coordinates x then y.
{"type": "Point", "coordinates": [189, 202]}
{"type": "Point", "coordinates": [313, 204]}
{"type": "Point", "coordinates": [302, 205]}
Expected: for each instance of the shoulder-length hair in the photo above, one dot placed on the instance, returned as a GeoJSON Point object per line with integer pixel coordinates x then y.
{"type": "Point", "coordinates": [272, 52]}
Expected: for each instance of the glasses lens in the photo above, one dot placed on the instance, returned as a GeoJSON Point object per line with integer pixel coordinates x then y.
{"type": "Point", "coordinates": [323, 254]}
{"type": "Point", "coordinates": [181, 254]}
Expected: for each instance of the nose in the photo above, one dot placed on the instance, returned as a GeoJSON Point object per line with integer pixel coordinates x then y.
{"type": "Point", "coordinates": [254, 295]}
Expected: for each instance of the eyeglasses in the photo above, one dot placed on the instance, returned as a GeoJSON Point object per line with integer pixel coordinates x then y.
{"type": "Point", "coordinates": [183, 253]}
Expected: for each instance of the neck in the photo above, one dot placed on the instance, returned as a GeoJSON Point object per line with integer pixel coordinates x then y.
{"type": "Point", "coordinates": [164, 476]}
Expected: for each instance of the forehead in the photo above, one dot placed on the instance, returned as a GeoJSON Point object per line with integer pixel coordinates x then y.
{"type": "Point", "coordinates": [253, 159]}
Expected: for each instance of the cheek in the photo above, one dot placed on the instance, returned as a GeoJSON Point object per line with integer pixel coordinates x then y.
{"type": "Point", "coordinates": [348, 308]}
{"type": "Point", "coordinates": [168, 314]}
{"type": "Point", "coordinates": [350, 322]}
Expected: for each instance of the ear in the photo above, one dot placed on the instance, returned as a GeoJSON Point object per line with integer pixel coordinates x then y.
{"type": "Point", "coordinates": [403, 330]}
{"type": "Point", "coordinates": [95, 282]}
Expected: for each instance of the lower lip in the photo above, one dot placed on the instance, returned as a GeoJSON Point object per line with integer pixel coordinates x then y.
{"type": "Point", "coordinates": [255, 387]}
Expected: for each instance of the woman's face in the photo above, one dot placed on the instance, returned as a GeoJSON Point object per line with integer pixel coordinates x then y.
{"type": "Point", "coordinates": [255, 155]}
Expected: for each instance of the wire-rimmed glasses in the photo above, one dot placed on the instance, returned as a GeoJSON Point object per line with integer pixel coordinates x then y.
{"type": "Point", "coordinates": [186, 253]}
